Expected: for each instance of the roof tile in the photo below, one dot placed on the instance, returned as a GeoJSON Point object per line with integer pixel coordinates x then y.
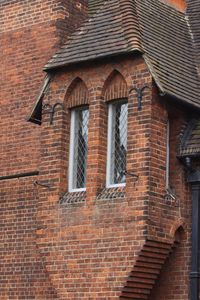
{"type": "Point", "coordinates": [167, 44]}
{"type": "Point", "coordinates": [113, 30]}
{"type": "Point", "coordinates": [191, 140]}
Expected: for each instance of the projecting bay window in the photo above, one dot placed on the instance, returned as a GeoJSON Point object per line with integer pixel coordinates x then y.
{"type": "Point", "coordinates": [117, 144]}
{"type": "Point", "coordinates": [78, 149]}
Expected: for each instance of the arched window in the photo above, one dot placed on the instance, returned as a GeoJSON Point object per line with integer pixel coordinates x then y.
{"type": "Point", "coordinates": [117, 143]}
{"type": "Point", "coordinates": [116, 97]}
{"type": "Point", "coordinates": [77, 101]}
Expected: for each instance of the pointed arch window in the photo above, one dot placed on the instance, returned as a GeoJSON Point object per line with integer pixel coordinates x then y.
{"type": "Point", "coordinates": [77, 102]}
{"type": "Point", "coordinates": [116, 95]}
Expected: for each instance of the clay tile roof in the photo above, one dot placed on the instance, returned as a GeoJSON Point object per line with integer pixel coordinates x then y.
{"type": "Point", "coordinates": [152, 27]}
{"type": "Point", "coordinates": [193, 15]}
{"type": "Point", "coordinates": [112, 30]}
{"type": "Point", "coordinates": [168, 49]}
{"type": "Point", "coordinates": [190, 145]}
{"type": "Point", "coordinates": [94, 5]}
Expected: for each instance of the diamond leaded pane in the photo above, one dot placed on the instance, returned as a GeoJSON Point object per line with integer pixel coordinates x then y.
{"type": "Point", "coordinates": [119, 142]}
{"type": "Point", "coordinates": [80, 148]}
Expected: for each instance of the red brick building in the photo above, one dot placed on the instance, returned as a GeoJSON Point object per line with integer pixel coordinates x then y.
{"type": "Point", "coordinates": [100, 145]}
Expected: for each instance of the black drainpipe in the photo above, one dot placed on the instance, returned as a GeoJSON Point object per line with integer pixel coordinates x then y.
{"type": "Point", "coordinates": [194, 180]}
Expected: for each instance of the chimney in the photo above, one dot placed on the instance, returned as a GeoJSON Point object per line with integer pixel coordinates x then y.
{"type": "Point", "coordinates": [179, 5]}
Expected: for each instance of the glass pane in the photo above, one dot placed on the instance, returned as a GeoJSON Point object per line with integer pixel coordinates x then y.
{"type": "Point", "coordinates": [80, 148]}
{"type": "Point", "coordinates": [119, 143]}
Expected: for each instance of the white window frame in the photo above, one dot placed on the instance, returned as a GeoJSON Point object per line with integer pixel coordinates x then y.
{"type": "Point", "coordinates": [71, 154]}
{"type": "Point", "coordinates": [109, 149]}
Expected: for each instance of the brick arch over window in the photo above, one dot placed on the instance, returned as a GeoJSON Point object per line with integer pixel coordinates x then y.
{"type": "Point", "coordinates": [115, 87]}
{"type": "Point", "coordinates": [77, 93]}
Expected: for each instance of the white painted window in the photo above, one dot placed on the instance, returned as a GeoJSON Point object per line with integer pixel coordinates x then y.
{"type": "Point", "coordinates": [117, 144]}
{"type": "Point", "coordinates": [78, 149]}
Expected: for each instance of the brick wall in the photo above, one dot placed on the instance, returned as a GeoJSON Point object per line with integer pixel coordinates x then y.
{"type": "Point", "coordinates": [23, 273]}
{"type": "Point", "coordinates": [90, 242]}
{"type": "Point", "coordinates": [90, 246]}
{"type": "Point", "coordinates": [166, 214]}
{"type": "Point", "coordinates": [164, 209]}
{"type": "Point", "coordinates": [83, 247]}
{"type": "Point", "coordinates": [30, 32]}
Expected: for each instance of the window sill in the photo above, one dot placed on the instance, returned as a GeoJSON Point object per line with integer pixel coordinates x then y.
{"type": "Point", "coordinates": [113, 186]}
{"type": "Point", "coordinates": [77, 190]}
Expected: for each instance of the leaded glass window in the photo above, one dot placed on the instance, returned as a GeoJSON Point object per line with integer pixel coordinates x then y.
{"type": "Point", "coordinates": [78, 149]}
{"type": "Point", "coordinates": [117, 143]}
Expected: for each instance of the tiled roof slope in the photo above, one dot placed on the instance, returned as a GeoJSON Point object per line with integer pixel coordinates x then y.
{"type": "Point", "coordinates": [168, 48]}
{"type": "Point", "coordinates": [113, 30]}
{"type": "Point", "coordinates": [191, 140]}
{"type": "Point", "coordinates": [193, 13]}
{"type": "Point", "coordinates": [94, 5]}
{"type": "Point", "coordinates": [150, 26]}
